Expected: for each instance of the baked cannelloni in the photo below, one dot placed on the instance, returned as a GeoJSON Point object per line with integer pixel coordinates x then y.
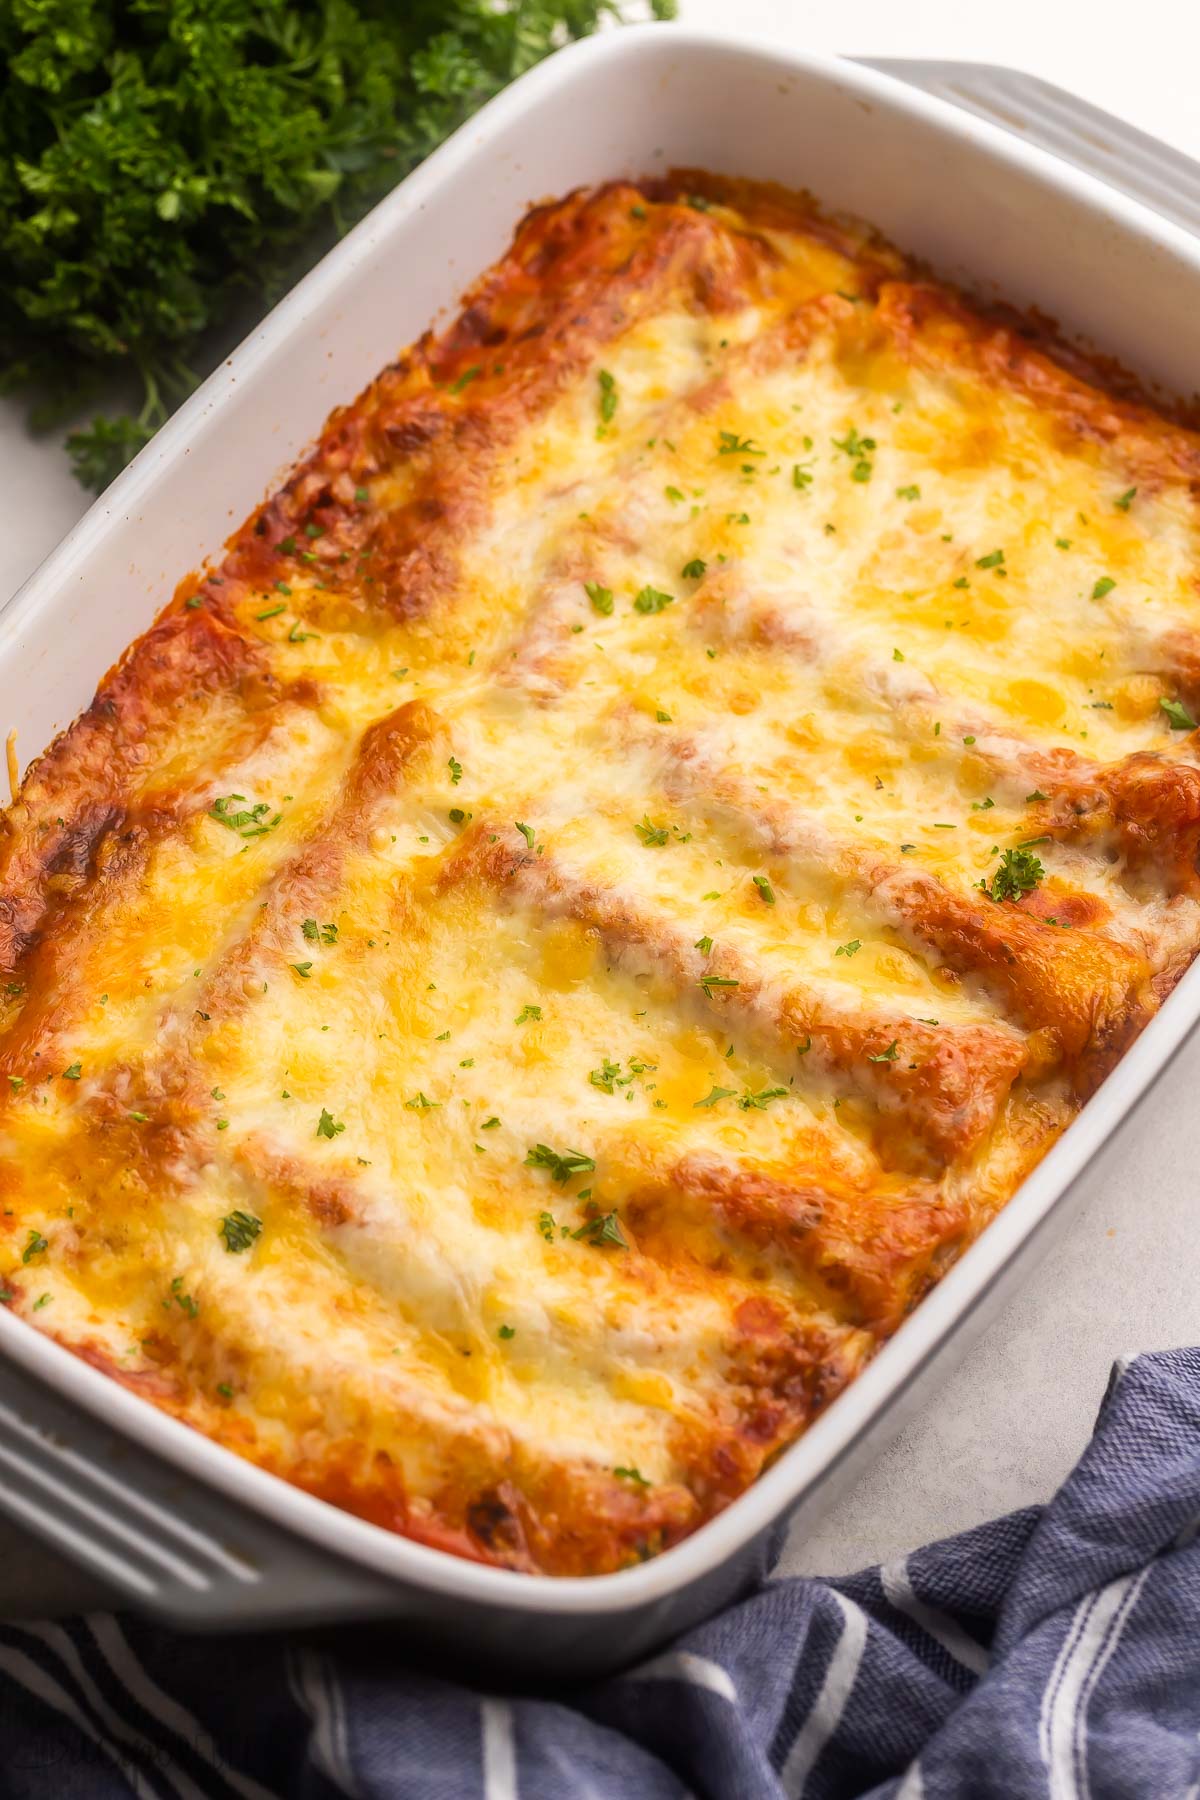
{"type": "Point", "coordinates": [533, 965]}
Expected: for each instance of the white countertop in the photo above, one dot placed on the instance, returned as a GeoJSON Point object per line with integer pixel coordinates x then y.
{"type": "Point", "coordinates": [1126, 1275]}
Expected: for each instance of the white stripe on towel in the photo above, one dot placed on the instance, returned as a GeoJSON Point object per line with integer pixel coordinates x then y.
{"type": "Point", "coordinates": [34, 1678]}
{"type": "Point", "coordinates": [685, 1665]}
{"type": "Point", "coordinates": [118, 1652]}
{"type": "Point", "coordinates": [830, 1703]}
{"type": "Point", "coordinates": [499, 1751]}
{"type": "Point", "coordinates": [1097, 1625]}
{"type": "Point", "coordinates": [58, 1642]}
{"type": "Point", "coordinates": [957, 1643]}
{"type": "Point", "coordinates": [317, 1694]}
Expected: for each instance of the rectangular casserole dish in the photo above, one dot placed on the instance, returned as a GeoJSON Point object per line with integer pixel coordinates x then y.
{"type": "Point", "coordinates": [173, 1521]}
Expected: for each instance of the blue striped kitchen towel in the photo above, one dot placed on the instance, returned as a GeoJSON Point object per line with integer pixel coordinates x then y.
{"type": "Point", "coordinates": [1055, 1652]}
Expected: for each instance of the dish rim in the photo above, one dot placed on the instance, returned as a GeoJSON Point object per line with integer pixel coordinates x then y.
{"type": "Point", "coordinates": [860, 1407]}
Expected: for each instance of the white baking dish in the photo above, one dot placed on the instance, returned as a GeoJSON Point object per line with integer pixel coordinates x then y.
{"type": "Point", "coordinates": [174, 1522]}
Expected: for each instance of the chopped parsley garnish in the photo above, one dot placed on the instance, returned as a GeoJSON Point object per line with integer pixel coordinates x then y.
{"type": "Point", "coordinates": [888, 1055]}
{"type": "Point", "coordinates": [239, 1229]}
{"type": "Point", "coordinates": [1178, 715]}
{"type": "Point", "coordinates": [319, 934]}
{"type": "Point", "coordinates": [1037, 794]}
{"type": "Point", "coordinates": [858, 450]}
{"type": "Point", "coordinates": [526, 1013]}
{"type": "Point", "coordinates": [1124, 501]}
{"type": "Point", "coordinates": [850, 949]}
{"type": "Point", "coordinates": [632, 1474]}
{"type": "Point", "coordinates": [74, 1072]}
{"type": "Point", "coordinates": [507, 1331]}
{"type": "Point", "coordinates": [801, 477]}
{"type": "Point", "coordinates": [526, 832]}
{"type": "Point", "coordinates": [897, 655]}
{"type": "Point", "coordinates": [1019, 873]}
{"type": "Point", "coordinates": [733, 445]}
{"type": "Point", "coordinates": [272, 612]}
{"type": "Point", "coordinates": [183, 1301]}
{"type": "Point", "coordinates": [606, 1229]}
{"type": "Point", "coordinates": [608, 396]}
{"type": "Point", "coordinates": [467, 376]}
{"type": "Point", "coordinates": [759, 1102]}
{"type": "Point", "coordinates": [908, 493]}
{"type": "Point", "coordinates": [545, 1224]}
{"type": "Point", "coordinates": [694, 570]}
{"type": "Point", "coordinates": [993, 560]}
{"type": "Point", "coordinates": [455, 768]}
{"type": "Point", "coordinates": [765, 889]}
{"type": "Point", "coordinates": [652, 600]}
{"type": "Point", "coordinates": [710, 982]}
{"type": "Point", "coordinates": [36, 1244]}
{"type": "Point", "coordinates": [327, 1125]}
{"type": "Point", "coordinates": [600, 597]}
{"type": "Point", "coordinates": [561, 1164]}
{"type": "Point", "coordinates": [703, 944]}
{"type": "Point", "coordinates": [490, 1124]}
{"type": "Point", "coordinates": [304, 970]}
{"type": "Point", "coordinates": [714, 1094]}
{"type": "Point", "coordinates": [675, 495]}
{"type": "Point", "coordinates": [1105, 585]}
{"type": "Point", "coordinates": [605, 1076]}
{"type": "Point", "coordinates": [419, 1103]}
{"type": "Point", "coordinates": [654, 836]}
{"type": "Point", "coordinates": [247, 821]}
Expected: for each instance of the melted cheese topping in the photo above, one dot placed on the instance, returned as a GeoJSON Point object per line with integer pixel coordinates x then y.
{"type": "Point", "coordinates": [528, 971]}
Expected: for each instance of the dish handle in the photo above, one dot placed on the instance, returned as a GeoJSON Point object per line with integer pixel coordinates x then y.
{"type": "Point", "coordinates": [153, 1537]}
{"type": "Point", "coordinates": [1138, 165]}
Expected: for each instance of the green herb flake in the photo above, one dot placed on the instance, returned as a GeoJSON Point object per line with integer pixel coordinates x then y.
{"type": "Point", "coordinates": [652, 600]}
{"type": "Point", "coordinates": [908, 493]}
{"type": "Point", "coordinates": [714, 1094]}
{"type": "Point", "coordinates": [653, 836]}
{"type": "Point", "coordinates": [1124, 501]}
{"type": "Point", "coordinates": [606, 1229]}
{"type": "Point", "coordinates": [239, 1229]}
{"type": "Point", "coordinates": [74, 1072]}
{"type": "Point", "coordinates": [751, 1102]}
{"type": "Point", "coordinates": [730, 444]}
{"type": "Point", "coordinates": [765, 889]}
{"type": "Point", "coordinates": [694, 570]}
{"type": "Point", "coordinates": [465, 379]}
{"type": "Point", "coordinates": [455, 768]}
{"type": "Point", "coordinates": [711, 982]}
{"type": "Point", "coordinates": [631, 1474]}
{"type": "Point", "coordinates": [608, 396]}
{"type": "Point", "coordinates": [886, 1056]}
{"type": "Point", "coordinates": [1178, 716]}
{"type": "Point", "coordinates": [35, 1245]}
{"type": "Point", "coordinates": [327, 1125]}
{"type": "Point", "coordinates": [561, 1164]}
{"type": "Point", "coordinates": [1019, 873]}
{"type": "Point", "coordinates": [507, 1331]}
{"type": "Point", "coordinates": [1105, 585]}
{"type": "Point", "coordinates": [527, 1013]}
{"type": "Point", "coordinates": [850, 949]}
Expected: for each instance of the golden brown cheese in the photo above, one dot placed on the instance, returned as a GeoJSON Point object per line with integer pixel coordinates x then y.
{"type": "Point", "coordinates": [526, 974]}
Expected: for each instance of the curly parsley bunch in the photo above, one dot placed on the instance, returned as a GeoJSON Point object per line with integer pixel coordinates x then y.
{"type": "Point", "coordinates": [166, 164]}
